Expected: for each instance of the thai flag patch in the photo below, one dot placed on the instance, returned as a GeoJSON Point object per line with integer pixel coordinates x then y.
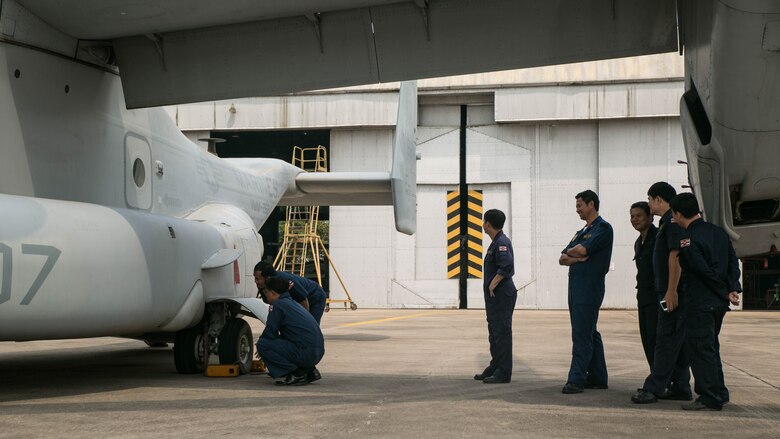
{"type": "Point", "coordinates": [502, 248]}
{"type": "Point", "coordinates": [685, 242]}
{"type": "Point", "coordinates": [270, 308]}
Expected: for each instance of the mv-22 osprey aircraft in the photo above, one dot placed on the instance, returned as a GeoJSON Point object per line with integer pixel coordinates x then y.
{"type": "Point", "coordinates": [113, 223]}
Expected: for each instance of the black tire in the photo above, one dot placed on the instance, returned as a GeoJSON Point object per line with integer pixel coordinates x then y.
{"type": "Point", "coordinates": [188, 350]}
{"type": "Point", "coordinates": [235, 345]}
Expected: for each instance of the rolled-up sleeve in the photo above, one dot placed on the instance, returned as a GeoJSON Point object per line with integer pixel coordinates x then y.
{"type": "Point", "coordinates": [505, 260]}
{"type": "Point", "coordinates": [600, 238]}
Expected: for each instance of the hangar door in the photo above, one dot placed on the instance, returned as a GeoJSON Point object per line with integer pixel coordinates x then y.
{"type": "Point", "coordinates": [434, 238]}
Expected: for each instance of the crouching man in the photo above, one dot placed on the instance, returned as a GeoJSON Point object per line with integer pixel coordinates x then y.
{"type": "Point", "coordinates": [291, 344]}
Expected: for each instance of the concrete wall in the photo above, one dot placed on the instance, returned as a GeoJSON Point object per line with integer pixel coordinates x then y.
{"type": "Point", "coordinates": [532, 172]}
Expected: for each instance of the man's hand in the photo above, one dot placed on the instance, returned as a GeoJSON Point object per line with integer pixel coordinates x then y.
{"type": "Point", "coordinates": [494, 284]}
{"type": "Point", "coordinates": [671, 300]}
{"type": "Point", "coordinates": [734, 298]}
{"type": "Point", "coordinates": [582, 259]}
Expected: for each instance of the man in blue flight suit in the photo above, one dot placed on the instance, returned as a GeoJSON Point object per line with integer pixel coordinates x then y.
{"type": "Point", "coordinates": [500, 298]}
{"type": "Point", "coordinates": [646, 299]}
{"type": "Point", "coordinates": [669, 376]}
{"type": "Point", "coordinates": [302, 290]}
{"type": "Point", "coordinates": [291, 344]}
{"type": "Point", "coordinates": [587, 256]}
{"type": "Point", "coordinates": [710, 275]}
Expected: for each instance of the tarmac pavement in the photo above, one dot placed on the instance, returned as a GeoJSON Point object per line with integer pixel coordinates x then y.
{"type": "Point", "coordinates": [386, 373]}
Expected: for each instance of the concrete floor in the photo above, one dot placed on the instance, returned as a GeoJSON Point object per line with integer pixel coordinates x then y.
{"type": "Point", "coordinates": [386, 373]}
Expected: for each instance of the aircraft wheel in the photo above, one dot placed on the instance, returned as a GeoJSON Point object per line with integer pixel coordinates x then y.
{"type": "Point", "coordinates": [353, 306]}
{"type": "Point", "coordinates": [188, 350]}
{"type": "Point", "coordinates": [235, 345]}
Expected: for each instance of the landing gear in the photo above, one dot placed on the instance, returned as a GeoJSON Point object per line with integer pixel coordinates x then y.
{"type": "Point", "coordinates": [235, 344]}
{"type": "Point", "coordinates": [220, 333]}
{"type": "Point", "coordinates": [189, 350]}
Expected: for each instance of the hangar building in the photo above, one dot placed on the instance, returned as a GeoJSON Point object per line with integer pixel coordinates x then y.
{"type": "Point", "coordinates": [533, 139]}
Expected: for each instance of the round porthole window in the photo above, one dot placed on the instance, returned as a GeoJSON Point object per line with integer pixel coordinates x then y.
{"type": "Point", "coordinates": [139, 173]}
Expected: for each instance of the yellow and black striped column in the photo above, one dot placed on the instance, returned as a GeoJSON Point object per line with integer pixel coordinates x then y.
{"type": "Point", "coordinates": [473, 237]}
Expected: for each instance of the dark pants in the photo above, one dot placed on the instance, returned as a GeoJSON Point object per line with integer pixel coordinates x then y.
{"type": "Point", "coordinates": [283, 357]}
{"type": "Point", "coordinates": [648, 325]}
{"type": "Point", "coordinates": [704, 351]}
{"type": "Point", "coordinates": [317, 305]}
{"type": "Point", "coordinates": [499, 311]}
{"type": "Point", "coordinates": [588, 365]}
{"type": "Point", "coordinates": [670, 362]}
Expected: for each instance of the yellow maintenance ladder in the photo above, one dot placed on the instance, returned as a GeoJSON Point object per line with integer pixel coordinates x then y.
{"type": "Point", "coordinates": [300, 229]}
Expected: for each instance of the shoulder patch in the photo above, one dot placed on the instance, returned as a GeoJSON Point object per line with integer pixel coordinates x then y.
{"type": "Point", "coordinates": [685, 242]}
{"type": "Point", "coordinates": [270, 308]}
{"type": "Point", "coordinates": [502, 248]}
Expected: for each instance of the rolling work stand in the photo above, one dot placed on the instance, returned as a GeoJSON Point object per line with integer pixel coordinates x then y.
{"type": "Point", "coordinates": [301, 241]}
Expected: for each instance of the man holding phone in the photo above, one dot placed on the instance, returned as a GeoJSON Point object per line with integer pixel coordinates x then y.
{"type": "Point", "coordinates": [669, 377]}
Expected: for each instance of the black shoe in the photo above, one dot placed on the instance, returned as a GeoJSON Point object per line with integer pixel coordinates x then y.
{"type": "Point", "coordinates": [313, 375]}
{"type": "Point", "coordinates": [596, 386]}
{"type": "Point", "coordinates": [495, 380]}
{"type": "Point", "coordinates": [291, 380]}
{"type": "Point", "coordinates": [642, 396]}
{"type": "Point", "coordinates": [570, 388]}
{"type": "Point", "coordinates": [699, 406]}
{"type": "Point", "coordinates": [673, 395]}
{"type": "Point", "coordinates": [480, 376]}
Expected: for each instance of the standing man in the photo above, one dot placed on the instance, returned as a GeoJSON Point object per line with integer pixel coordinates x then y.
{"type": "Point", "coordinates": [302, 290]}
{"type": "Point", "coordinates": [710, 276]}
{"type": "Point", "coordinates": [291, 344]}
{"type": "Point", "coordinates": [587, 256]}
{"type": "Point", "coordinates": [669, 376]}
{"type": "Point", "coordinates": [646, 298]}
{"type": "Point", "coordinates": [500, 297]}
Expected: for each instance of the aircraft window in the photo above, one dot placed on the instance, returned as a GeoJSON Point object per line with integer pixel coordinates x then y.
{"type": "Point", "coordinates": [139, 172]}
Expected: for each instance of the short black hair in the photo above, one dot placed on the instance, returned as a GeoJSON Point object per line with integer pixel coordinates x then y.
{"type": "Point", "coordinates": [277, 285]}
{"type": "Point", "coordinates": [265, 268]}
{"type": "Point", "coordinates": [685, 204]}
{"type": "Point", "coordinates": [496, 218]}
{"type": "Point", "coordinates": [662, 189]}
{"type": "Point", "coordinates": [641, 205]}
{"type": "Point", "coordinates": [588, 196]}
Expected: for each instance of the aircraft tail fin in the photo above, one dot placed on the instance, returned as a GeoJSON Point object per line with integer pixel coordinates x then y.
{"type": "Point", "coordinates": [403, 176]}
{"type": "Point", "coordinates": [398, 187]}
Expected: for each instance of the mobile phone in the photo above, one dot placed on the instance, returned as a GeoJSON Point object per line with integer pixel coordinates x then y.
{"type": "Point", "coordinates": [663, 306]}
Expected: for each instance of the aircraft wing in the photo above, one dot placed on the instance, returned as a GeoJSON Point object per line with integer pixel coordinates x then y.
{"type": "Point", "coordinates": [181, 51]}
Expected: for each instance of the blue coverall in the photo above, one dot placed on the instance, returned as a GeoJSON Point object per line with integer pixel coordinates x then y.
{"type": "Point", "coordinates": [586, 292]}
{"type": "Point", "coordinates": [499, 259]}
{"type": "Point", "coordinates": [301, 289]}
{"type": "Point", "coordinates": [292, 338]}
